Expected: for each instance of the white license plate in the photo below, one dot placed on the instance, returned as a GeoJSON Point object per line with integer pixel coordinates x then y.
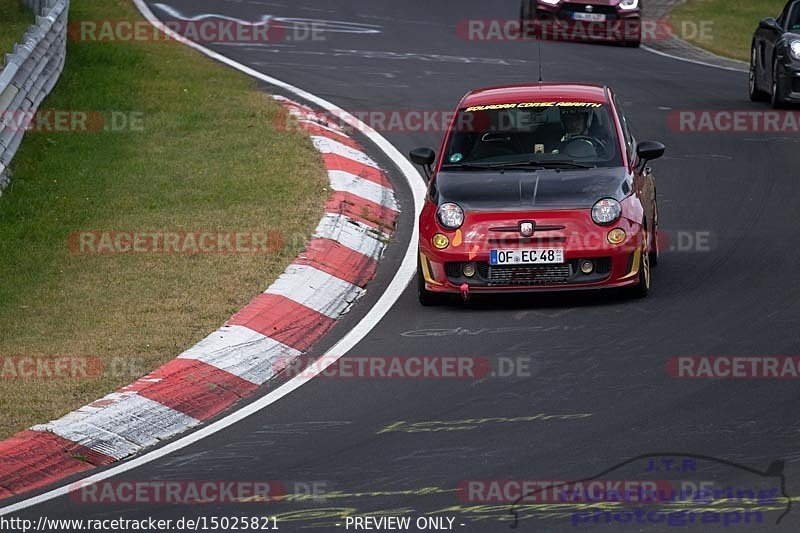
{"type": "Point", "coordinates": [540, 256]}
{"type": "Point", "coordinates": [591, 17]}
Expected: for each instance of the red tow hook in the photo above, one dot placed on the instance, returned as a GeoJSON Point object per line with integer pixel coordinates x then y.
{"type": "Point", "coordinates": [464, 291]}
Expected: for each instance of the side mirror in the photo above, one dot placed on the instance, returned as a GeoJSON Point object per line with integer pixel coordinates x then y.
{"type": "Point", "coordinates": [423, 157]}
{"type": "Point", "coordinates": [649, 150]}
{"type": "Point", "coordinates": [769, 23]}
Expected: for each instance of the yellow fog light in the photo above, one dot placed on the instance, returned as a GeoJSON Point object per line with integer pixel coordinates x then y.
{"type": "Point", "coordinates": [587, 267]}
{"type": "Point", "coordinates": [469, 269]}
{"type": "Point", "coordinates": [441, 241]}
{"type": "Point", "coordinates": [616, 236]}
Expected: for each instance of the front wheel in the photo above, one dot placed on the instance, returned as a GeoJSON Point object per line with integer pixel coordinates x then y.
{"type": "Point", "coordinates": [756, 94]}
{"type": "Point", "coordinates": [778, 100]}
{"type": "Point", "coordinates": [642, 289]}
{"type": "Point", "coordinates": [426, 297]}
{"type": "Point", "coordinates": [655, 248]}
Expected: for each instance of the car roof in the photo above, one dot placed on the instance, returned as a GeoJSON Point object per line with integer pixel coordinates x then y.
{"type": "Point", "coordinates": [537, 92]}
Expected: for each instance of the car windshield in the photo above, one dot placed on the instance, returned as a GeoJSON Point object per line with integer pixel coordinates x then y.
{"type": "Point", "coordinates": [534, 134]}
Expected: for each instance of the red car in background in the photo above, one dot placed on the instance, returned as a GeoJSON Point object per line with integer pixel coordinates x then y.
{"type": "Point", "coordinates": [586, 20]}
{"type": "Point", "coordinates": [537, 187]}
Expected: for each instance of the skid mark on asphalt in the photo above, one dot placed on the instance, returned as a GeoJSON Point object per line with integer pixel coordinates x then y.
{"type": "Point", "coordinates": [381, 55]}
{"type": "Point", "coordinates": [462, 452]}
{"type": "Point", "coordinates": [466, 424]}
{"type": "Point", "coordinates": [466, 332]}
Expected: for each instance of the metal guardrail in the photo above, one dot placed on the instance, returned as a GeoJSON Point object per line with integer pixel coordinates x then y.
{"type": "Point", "coordinates": [30, 73]}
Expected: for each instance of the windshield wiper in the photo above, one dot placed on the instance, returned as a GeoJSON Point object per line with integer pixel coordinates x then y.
{"type": "Point", "coordinates": [566, 163]}
{"type": "Point", "coordinates": [525, 164]}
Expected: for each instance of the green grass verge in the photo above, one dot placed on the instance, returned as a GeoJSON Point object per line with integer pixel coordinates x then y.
{"type": "Point", "coordinates": [207, 158]}
{"type": "Point", "coordinates": [734, 22]}
{"type": "Point", "coordinates": [14, 20]}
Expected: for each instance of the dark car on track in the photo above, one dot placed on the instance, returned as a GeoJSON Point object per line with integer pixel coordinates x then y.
{"type": "Point", "coordinates": [538, 187]}
{"type": "Point", "coordinates": [775, 58]}
{"type": "Point", "coordinates": [583, 20]}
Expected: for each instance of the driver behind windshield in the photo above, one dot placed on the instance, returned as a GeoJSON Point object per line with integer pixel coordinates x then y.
{"type": "Point", "coordinates": [576, 123]}
{"type": "Point", "coordinates": [560, 131]}
{"type": "Point", "coordinates": [578, 139]}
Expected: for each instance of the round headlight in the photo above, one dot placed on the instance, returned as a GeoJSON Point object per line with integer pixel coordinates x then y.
{"type": "Point", "coordinates": [450, 215]}
{"type": "Point", "coordinates": [629, 4]}
{"type": "Point", "coordinates": [606, 211]}
{"type": "Point", "coordinates": [794, 46]}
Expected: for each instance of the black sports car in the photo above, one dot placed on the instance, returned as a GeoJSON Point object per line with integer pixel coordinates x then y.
{"type": "Point", "coordinates": [775, 58]}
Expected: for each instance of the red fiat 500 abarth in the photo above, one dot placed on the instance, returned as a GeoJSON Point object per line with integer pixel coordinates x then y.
{"type": "Point", "coordinates": [538, 187]}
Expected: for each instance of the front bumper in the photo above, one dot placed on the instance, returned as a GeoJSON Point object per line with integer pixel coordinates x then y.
{"type": "Point", "coordinates": [443, 272]}
{"type": "Point", "coordinates": [565, 11]}
{"type": "Point", "coordinates": [558, 23]}
{"type": "Point", "coordinates": [789, 80]}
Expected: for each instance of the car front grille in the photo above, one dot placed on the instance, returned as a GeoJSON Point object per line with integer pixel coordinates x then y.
{"type": "Point", "coordinates": [569, 8]}
{"type": "Point", "coordinates": [529, 274]}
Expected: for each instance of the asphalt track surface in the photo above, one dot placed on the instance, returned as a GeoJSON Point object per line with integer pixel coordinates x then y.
{"type": "Point", "coordinates": [591, 354]}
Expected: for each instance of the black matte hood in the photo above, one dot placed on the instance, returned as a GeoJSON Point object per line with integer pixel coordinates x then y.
{"type": "Point", "coordinates": [544, 189]}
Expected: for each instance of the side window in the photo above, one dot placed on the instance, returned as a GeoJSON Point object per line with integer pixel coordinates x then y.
{"type": "Point", "coordinates": [630, 142]}
{"type": "Point", "coordinates": [793, 21]}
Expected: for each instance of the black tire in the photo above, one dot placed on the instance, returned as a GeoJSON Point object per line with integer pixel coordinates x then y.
{"type": "Point", "coordinates": [426, 297]}
{"type": "Point", "coordinates": [756, 94]}
{"type": "Point", "coordinates": [633, 44]}
{"type": "Point", "coordinates": [642, 289]}
{"type": "Point", "coordinates": [655, 249]}
{"type": "Point", "coordinates": [776, 93]}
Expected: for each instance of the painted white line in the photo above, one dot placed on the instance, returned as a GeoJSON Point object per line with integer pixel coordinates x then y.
{"type": "Point", "coordinates": [124, 427]}
{"type": "Point", "coordinates": [405, 273]}
{"type": "Point", "coordinates": [329, 146]}
{"type": "Point", "coordinates": [242, 352]}
{"type": "Point", "coordinates": [318, 25]}
{"type": "Point", "coordinates": [352, 234]}
{"type": "Point", "coordinates": [694, 61]}
{"type": "Point", "coordinates": [316, 289]}
{"type": "Point", "coordinates": [369, 190]}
